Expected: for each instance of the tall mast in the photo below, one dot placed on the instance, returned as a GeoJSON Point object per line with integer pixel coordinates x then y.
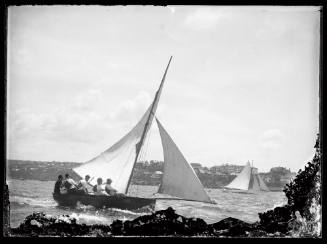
{"type": "Point", "coordinates": [155, 101]}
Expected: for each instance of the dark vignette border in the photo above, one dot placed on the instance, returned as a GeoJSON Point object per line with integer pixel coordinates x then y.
{"type": "Point", "coordinates": [3, 85]}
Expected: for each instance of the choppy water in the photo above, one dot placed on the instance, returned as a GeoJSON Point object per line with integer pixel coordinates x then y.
{"type": "Point", "coordinates": [28, 196]}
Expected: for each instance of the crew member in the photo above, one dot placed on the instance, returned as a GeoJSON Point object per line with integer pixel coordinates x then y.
{"type": "Point", "coordinates": [99, 188]}
{"type": "Point", "coordinates": [70, 184]}
{"type": "Point", "coordinates": [84, 184]}
{"type": "Point", "coordinates": [109, 189]}
{"type": "Point", "coordinates": [58, 185]}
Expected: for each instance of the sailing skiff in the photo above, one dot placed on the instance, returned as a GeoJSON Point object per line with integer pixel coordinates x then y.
{"type": "Point", "coordinates": [117, 163]}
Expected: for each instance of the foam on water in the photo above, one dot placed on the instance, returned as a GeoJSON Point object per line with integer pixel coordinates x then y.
{"type": "Point", "coordinates": [83, 217]}
{"type": "Point", "coordinates": [114, 211]}
{"type": "Point", "coordinates": [43, 202]}
{"type": "Point", "coordinates": [83, 207]}
{"type": "Point", "coordinates": [278, 204]}
{"type": "Point", "coordinates": [25, 194]}
{"type": "Point", "coordinates": [122, 211]}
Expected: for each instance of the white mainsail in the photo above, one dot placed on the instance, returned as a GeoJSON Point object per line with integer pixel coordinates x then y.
{"type": "Point", "coordinates": [242, 180]}
{"type": "Point", "coordinates": [179, 178]}
{"type": "Point", "coordinates": [118, 161]}
{"type": "Point", "coordinates": [248, 181]}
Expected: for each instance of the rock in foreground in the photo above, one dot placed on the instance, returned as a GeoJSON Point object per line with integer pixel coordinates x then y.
{"type": "Point", "coordinates": [161, 223]}
{"type": "Point", "coordinates": [40, 224]}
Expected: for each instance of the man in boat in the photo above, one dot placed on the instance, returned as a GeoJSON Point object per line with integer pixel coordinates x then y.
{"type": "Point", "coordinates": [84, 184]}
{"type": "Point", "coordinates": [109, 189]}
{"type": "Point", "coordinates": [58, 185]}
{"type": "Point", "coordinates": [99, 189]}
{"type": "Point", "coordinates": [70, 185]}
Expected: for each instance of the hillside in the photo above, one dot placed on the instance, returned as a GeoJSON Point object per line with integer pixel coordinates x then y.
{"type": "Point", "coordinates": [145, 173]}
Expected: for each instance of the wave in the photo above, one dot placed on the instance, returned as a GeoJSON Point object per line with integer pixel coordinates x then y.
{"type": "Point", "coordinates": [136, 212]}
{"type": "Point", "coordinates": [105, 216]}
{"type": "Point", "coordinates": [278, 204]}
{"type": "Point", "coordinates": [22, 200]}
{"type": "Point", "coordinates": [111, 211]}
{"type": "Point", "coordinates": [27, 195]}
{"type": "Point", "coordinates": [89, 217]}
{"type": "Point", "coordinates": [212, 207]}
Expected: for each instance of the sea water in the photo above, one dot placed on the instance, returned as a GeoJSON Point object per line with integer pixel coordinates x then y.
{"type": "Point", "coordinates": [28, 196]}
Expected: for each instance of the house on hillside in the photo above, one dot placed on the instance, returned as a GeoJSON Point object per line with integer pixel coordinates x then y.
{"type": "Point", "coordinates": [266, 177]}
{"type": "Point", "coordinates": [197, 168]}
{"type": "Point", "coordinates": [206, 171]}
{"type": "Point", "coordinates": [285, 179]}
{"type": "Point", "coordinates": [215, 170]}
{"type": "Point", "coordinates": [226, 169]}
{"type": "Point", "coordinates": [157, 174]}
{"type": "Point", "coordinates": [280, 170]}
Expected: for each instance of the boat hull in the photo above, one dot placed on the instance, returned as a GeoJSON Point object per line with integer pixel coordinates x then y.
{"type": "Point", "coordinates": [102, 201]}
{"type": "Point", "coordinates": [240, 191]}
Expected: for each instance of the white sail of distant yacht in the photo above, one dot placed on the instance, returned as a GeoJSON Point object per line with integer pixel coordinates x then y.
{"type": "Point", "coordinates": [117, 162]}
{"type": "Point", "coordinates": [248, 181]}
{"type": "Point", "coordinates": [179, 178]}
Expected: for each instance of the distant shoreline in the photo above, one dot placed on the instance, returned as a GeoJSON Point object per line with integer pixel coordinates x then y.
{"type": "Point", "coordinates": [272, 189]}
{"type": "Point", "coordinates": [148, 174]}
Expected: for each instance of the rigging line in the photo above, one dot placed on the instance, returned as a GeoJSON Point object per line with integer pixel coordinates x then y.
{"type": "Point", "coordinates": [144, 149]}
{"type": "Point", "coordinates": [140, 159]}
{"type": "Point", "coordinates": [129, 155]}
{"type": "Point", "coordinates": [147, 143]}
{"type": "Point", "coordinates": [142, 155]}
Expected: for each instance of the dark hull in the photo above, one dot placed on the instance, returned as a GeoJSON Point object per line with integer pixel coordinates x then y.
{"type": "Point", "coordinates": [100, 201]}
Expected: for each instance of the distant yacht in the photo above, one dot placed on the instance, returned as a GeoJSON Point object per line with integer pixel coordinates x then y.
{"type": "Point", "coordinates": [248, 180]}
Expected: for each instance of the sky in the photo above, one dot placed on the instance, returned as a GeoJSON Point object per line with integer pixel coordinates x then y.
{"type": "Point", "coordinates": [242, 86]}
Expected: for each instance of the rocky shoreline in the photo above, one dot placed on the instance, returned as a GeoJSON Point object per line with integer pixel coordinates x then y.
{"type": "Point", "coordinates": [160, 223]}
{"type": "Point", "coordinates": [300, 217]}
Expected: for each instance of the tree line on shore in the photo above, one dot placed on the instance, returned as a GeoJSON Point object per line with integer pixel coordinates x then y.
{"type": "Point", "coordinates": [145, 173]}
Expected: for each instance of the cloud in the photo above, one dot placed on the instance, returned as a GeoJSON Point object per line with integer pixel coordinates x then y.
{"type": "Point", "coordinates": [82, 121]}
{"type": "Point", "coordinates": [88, 100]}
{"type": "Point", "coordinates": [79, 121]}
{"type": "Point", "coordinates": [203, 19]}
{"type": "Point", "coordinates": [77, 131]}
{"type": "Point", "coordinates": [272, 139]}
{"type": "Point", "coordinates": [131, 110]}
{"type": "Point", "coordinates": [63, 125]}
{"type": "Point", "coordinates": [272, 134]}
